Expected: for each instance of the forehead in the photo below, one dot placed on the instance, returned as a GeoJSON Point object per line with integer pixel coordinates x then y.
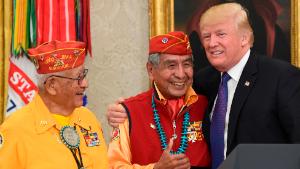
{"type": "Point", "coordinates": [170, 57]}
{"type": "Point", "coordinates": [75, 71]}
{"type": "Point", "coordinates": [217, 25]}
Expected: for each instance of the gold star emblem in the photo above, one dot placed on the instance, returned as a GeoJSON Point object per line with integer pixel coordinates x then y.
{"type": "Point", "coordinates": [152, 126]}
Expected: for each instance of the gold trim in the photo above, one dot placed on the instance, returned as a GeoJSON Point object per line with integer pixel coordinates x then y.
{"type": "Point", "coordinates": [295, 30]}
{"type": "Point", "coordinates": [161, 14]}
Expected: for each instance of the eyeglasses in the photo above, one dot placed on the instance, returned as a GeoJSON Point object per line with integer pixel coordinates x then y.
{"type": "Point", "coordinates": [79, 78]}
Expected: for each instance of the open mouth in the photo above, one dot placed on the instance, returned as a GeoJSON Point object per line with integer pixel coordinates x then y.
{"type": "Point", "coordinates": [80, 94]}
{"type": "Point", "coordinates": [216, 53]}
{"type": "Point", "coordinates": [178, 84]}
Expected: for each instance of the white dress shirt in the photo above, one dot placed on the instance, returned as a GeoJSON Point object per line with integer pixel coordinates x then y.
{"type": "Point", "coordinates": [235, 74]}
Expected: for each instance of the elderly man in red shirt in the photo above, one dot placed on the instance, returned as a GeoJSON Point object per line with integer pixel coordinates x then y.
{"type": "Point", "coordinates": [170, 110]}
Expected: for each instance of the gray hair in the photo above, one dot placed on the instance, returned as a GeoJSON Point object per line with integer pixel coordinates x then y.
{"type": "Point", "coordinates": [41, 78]}
{"type": "Point", "coordinates": [154, 58]}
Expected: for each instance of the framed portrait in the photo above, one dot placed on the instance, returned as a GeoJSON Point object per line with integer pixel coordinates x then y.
{"type": "Point", "coordinates": [275, 24]}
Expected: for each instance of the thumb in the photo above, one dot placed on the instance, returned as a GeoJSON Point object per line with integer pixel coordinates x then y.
{"type": "Point", "coordinates": [170, 145]}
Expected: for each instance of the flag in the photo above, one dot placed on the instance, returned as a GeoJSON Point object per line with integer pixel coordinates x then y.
{"type": "Point", "coordinates": [36, 22]}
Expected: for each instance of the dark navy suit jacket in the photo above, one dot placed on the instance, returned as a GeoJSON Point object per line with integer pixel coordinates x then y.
{"type": "Point", "coordinates": [266, 103]}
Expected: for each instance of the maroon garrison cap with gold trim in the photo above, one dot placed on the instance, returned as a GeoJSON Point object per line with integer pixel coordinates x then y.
{"type": "Point", "coordinates": [57, 56]}
{"type": "Point", "coordinates": [176, 43]}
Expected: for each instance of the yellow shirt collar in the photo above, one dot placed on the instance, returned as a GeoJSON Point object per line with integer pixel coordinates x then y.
{"type": "Point", "coordinates": [44, 119]}
{"type": "Point", "coordinates": [190, 96]}
{"type": "Point", "coordinates": [62, 120]}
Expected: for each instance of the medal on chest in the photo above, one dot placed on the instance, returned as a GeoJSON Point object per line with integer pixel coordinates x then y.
{"type": "Point", "coordinates": [91, 138]}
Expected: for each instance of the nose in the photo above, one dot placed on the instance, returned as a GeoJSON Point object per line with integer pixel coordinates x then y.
{"type": "Point", "coordinates": [213, 41]}
{"type": "Point", "coordinates": [180, 72]}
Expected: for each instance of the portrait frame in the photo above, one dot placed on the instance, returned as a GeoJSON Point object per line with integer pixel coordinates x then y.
{"type": "Point", "coordinates": [161, 20]}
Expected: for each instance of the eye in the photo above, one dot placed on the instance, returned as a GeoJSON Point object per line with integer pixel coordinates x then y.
{"type": "Point", "coordinates": [188, 64]}
{"type": "Point", "coordinates": [80, 77]}
{"type": "Point", "coordinates": [83, 74]}
{"type": "Point", "coordinates": [205, 37]}
{"type": "Point", "coordinates": [221, 34]}
{"type": "Point", "coordinates": [171, 66]}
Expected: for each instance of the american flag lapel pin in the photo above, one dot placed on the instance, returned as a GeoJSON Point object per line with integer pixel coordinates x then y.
{"type": "Point", "coordinates": [247, 83]}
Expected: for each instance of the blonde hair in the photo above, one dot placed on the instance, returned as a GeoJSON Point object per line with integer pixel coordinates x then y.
{"type": "Point", "coordinates": [226, 11]}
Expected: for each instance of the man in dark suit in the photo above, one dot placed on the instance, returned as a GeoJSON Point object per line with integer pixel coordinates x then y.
{"type": "Point", "coordinates": [263, 16]}
{"type": "Point", "coordinates": [262, 101]}
{"type": "Point", "coordinates": [262, 95]}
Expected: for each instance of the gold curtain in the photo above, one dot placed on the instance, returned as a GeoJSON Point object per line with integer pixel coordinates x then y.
{"type": "Point", "coordinates": [5, 44]}
{"type": "Point", "coordinates": [295, 30]}
{"type": "Point", "coordinates": [161, 14]}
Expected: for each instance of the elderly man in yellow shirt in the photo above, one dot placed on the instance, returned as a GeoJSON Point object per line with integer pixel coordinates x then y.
{"type": "Point", "coordinates": [54, 131]}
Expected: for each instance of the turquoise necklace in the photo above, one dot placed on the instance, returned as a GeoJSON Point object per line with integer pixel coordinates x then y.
{"type": "Point", "coordinates": [162, 134]}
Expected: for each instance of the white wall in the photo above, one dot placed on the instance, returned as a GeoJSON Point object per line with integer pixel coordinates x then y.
{"type": "Point", "coordinates": [120, 32]}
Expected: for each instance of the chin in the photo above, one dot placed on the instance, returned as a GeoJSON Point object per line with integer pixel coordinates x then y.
{"type": "Point", "coordinates": [179, 93]}
{"type": "Point", "coordinates": [79, 104]}
{"type": "Point", "coordinates": [217, 64]}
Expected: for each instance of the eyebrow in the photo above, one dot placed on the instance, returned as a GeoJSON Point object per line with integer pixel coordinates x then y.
{"type": "Point", "coordinates": [188, 59]}
{"type": "Point", "coordinates": [80, 72]}
{"type": "Point", "coordinates": [174, 60]}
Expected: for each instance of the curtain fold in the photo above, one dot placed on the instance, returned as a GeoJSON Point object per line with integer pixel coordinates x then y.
{"type": "Point", "coordinates": [5, 48]}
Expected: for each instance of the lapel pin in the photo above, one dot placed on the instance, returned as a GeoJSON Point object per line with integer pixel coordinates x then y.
{"type": "Point", "coordinates": [165, 40]}
{"type": "Point", "coordinates": [247, 83]}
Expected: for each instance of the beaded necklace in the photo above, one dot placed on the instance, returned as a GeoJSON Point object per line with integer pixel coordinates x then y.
{"type": "Point", "coordinates": [162, 134]}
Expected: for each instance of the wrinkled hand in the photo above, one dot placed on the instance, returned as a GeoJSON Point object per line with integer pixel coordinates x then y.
{"type": "Point", "coordinates": [116, 113]}
{"type": "Point", "coordinates": [169, 161]}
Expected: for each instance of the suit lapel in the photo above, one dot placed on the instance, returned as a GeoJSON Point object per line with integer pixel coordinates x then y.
{"type": "Point", "coordinates": [245, 84]}
{"type": "Point", "coordinates": [212, 90]}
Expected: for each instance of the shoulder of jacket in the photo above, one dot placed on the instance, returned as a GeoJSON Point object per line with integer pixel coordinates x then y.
{"type": "Point", "coordinates": [139, 97]}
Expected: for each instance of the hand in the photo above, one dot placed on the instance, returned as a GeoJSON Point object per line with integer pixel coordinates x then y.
{"type": "Point", "coordinates": [169, 161]}
{"type": "Point", "coordinates": [116, 113]}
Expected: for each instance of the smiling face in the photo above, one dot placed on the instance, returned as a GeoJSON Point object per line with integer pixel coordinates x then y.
{"type": "Point", "coordinates": [70, 92]}
{"type": "Point", "coordinates": [173, 75]}
{"type": "Point", "coordinates": [225, 34]}
{"type": "Point", "coordinates": [223, 44]}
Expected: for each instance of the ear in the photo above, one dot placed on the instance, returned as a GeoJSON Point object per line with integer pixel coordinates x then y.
{"type": "Point", "coordinates": [150, 69]}
{"type": "Point", "coordinates": [50, 86]}
{"type": "Point", "coordinates": [245, 39]}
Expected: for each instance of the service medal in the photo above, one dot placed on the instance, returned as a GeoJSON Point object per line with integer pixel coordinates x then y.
{"type": "Point", "coordinates": [69, 137]}
{"type": "Point", "coordinates": [91, 139]}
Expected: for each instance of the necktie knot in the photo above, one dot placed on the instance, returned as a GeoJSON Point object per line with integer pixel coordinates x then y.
{"type": "Point", "coordinates": [225, 77]}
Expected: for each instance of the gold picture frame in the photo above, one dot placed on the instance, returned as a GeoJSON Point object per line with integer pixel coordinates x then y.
{"type": "Point", "coordinates": [161, 14]}
{"type": "Point", "coordinates": [295, 30]}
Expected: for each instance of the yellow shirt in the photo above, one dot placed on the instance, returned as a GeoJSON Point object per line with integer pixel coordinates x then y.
{"type": "Point", "coordinates": [30, 140]}
{"type": "Point", "coordinates": [62, 120]}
